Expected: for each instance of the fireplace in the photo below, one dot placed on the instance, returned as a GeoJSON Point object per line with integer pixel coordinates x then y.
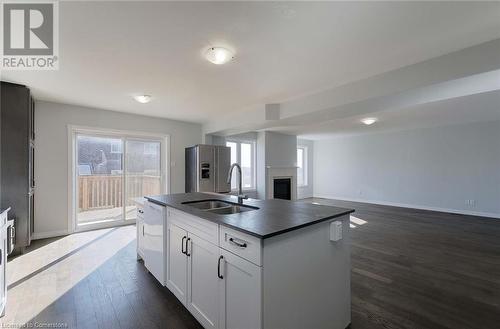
{"type": "Point", "coordinates": [283, 180]}
{"type": "Point", "coordinates": [282, 188]}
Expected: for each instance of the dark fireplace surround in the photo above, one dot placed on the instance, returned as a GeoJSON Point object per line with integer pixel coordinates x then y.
{"type": "Point", "coordinates": [282, 188]}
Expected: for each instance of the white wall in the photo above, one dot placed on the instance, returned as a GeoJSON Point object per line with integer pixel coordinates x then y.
{"type": "Point", "coordinates": [274, 150]}
{"type": "Point", "coordinates": [281, 150]}
{"type": "Point", "coordinates": [307, 191]}
{"type": "Point", "coordinates": [51, 165]}
{"type": "Point", "coordinates": [261, 165]}
{"type": "Point", "coordinates": [434, 168]}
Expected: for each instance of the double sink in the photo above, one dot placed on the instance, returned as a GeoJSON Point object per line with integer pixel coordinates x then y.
{"type": "Point", "coordinates": [219, 206]}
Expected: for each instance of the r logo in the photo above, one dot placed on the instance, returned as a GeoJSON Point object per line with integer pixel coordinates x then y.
{"type": "Point", "coordinates": [28, 29]}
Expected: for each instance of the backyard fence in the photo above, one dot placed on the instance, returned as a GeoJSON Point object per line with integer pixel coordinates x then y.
{"type": "Point", "coordinates": [106, 191]}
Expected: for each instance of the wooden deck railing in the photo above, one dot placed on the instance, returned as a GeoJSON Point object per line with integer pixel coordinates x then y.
{"type": "Point", "coordinates": [106, 191]}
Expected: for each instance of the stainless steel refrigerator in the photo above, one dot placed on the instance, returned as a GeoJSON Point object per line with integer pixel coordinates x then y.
{"type": "Point", "coordinates": [207, 167]}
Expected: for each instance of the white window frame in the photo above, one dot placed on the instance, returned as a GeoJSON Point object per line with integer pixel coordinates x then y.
{"type": "Point", "coordinates": [304, 166]}
{"type": "Point", "coordinates": [73, 132]}
{"type": "Point", "coordinates": [253, 160]}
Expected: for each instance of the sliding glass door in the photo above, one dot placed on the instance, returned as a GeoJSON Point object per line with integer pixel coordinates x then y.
{"type": "Point", "coordinates": [99, 179]}
{"type": "Point", "coordinates": [110, 172]}
{"type": "Point", "coordinates": [143, 173]}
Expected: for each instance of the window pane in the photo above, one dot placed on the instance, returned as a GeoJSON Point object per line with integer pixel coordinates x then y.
{"type": "Point", "coordinates": [116, 146]}
{"type": "Point", "coordinates": [300, 177]}
{"type": "Point", "coordinates": [100, 178]}
{"type": "Point", "coordinates": [234, 159]}
{"type": "Point", "coordinates": [246, 164]}
{"type": "Point", "coordinates": [233, 151]}
{"type": "Point", "coordinates": [143, 176]}
{"type": "Point", "coordinates": [300, 169]}
{"type": "Point", "coordinates": [300, 158]}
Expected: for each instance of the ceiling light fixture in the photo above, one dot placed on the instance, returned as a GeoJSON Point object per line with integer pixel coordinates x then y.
{"type": "Point", "coordinates": [218, 55]}
{"type": "Point", "coordinates": [369, 121]}
{"type": "Point", "coordinates": [143, 98]}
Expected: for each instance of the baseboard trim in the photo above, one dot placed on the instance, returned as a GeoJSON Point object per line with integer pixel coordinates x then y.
{"type": "Point", "coordinates": [52, 234]}
{"type": "Point", "coordinates": [405, 205]}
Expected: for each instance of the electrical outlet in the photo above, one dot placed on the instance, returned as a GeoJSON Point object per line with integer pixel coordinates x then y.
{"type": "Point", "coordinates": [336, 230]}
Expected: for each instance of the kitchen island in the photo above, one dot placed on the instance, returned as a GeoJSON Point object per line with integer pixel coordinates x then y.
{"type": "Point", "coordinates": [260, 264]}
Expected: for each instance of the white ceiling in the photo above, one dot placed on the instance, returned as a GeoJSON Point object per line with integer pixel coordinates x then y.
{"type": "Point", "coordinates": [110, 51]}
{"type": "Point", "coordinates": [455, 111]}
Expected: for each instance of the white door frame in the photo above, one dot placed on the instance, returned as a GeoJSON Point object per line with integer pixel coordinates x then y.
{"type": "Point", "coordinates": [73, 131]}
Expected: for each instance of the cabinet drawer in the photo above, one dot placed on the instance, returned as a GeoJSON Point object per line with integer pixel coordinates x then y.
{"type": "Point", "coordinates": [200, 227]}
{"type": "Point", "coordinates": [241, 244]}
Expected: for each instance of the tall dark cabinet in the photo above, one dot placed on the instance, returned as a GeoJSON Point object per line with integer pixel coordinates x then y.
{"type": "Point", "coordinates": [17, 150]}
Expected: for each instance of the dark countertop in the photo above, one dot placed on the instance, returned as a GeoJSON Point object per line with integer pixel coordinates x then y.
{"type": "Point", "coordinates": [272, 218]}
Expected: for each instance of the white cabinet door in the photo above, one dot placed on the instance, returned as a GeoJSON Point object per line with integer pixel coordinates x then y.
{"type": "Point", "coordinates": [154, 224]}
{"type": "Point", "coordinates": [203, 281]}
{"type": "Point", "coordinates": [241, 301]}
{"type": "Point", "coordinates": [177, 261]}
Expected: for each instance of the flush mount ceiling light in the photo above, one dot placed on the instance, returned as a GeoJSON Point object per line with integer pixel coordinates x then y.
{"type": "Point", "coordinates": [218, 55]}
{"type": "Point", "coordinates": [369, 121]}
{"type": "Point", "coordinates": [143, 98]}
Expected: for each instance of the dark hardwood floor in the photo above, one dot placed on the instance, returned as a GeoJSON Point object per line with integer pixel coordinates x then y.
{"type": "Point", "coordinates": [410, 269]}
{"type": "Point", "coordinates": [120, 294]}
{"type": "Point", "coordinates": [90, 280]}
{"type": "Point", "coordinates": [422, 269]}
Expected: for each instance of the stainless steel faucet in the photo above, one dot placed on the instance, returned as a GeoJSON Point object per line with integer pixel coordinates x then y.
{"type": "Point", "coordinates": [241, 196]}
